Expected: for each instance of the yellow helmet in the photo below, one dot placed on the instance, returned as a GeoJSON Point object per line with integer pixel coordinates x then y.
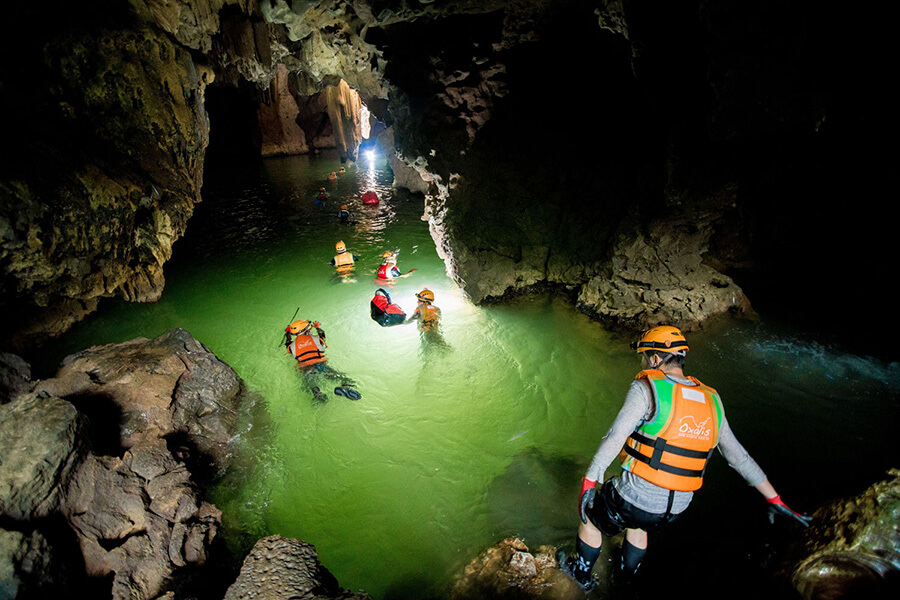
{"type": "Point", "coordinates": [389, 256]}
{"type": "Point", "coordinates": [299, 326]}
{"type": "Point", "coordinates": [343, 207]}
{"type": "Point", "coordinates": [341, 247]}
{"type": "Point", "coordinates": [662, 339]}
{"type": "Point", "coordinates": [426, 295]}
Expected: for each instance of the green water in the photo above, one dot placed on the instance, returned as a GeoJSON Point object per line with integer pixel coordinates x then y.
{"type": "Point", "coordinates": [484, 430]}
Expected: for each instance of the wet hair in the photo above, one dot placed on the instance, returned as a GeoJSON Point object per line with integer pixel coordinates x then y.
{"type": "Point", "coordinates": [668, 358]}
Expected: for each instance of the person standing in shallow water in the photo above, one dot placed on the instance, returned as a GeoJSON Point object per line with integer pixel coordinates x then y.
{"type": "Point", "coordinates": [664, 435]}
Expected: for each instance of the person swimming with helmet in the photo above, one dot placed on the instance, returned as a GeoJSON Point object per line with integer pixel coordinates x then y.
{"type": "Point", "coordinates": [388, 270]}
{"type": "Point", "coordinates": [322, 197]}
{"type": "Point", "coordinates": [427, 314]}
{"type": "Point", "coordinates": [344, 262]}
{"type": "Point", "coordinates": [309, 351]}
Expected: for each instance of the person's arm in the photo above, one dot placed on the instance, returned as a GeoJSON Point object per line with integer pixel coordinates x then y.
{"type": "Point", "coordinates": [638, 406]}
{"type": "Point", "coordinates": [320, 332]}
{"type": "Point", "coordinates": [740, 460]}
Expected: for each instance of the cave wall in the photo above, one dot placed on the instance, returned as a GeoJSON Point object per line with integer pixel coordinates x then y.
{"type": "Point", "coordinates": [653, 162]}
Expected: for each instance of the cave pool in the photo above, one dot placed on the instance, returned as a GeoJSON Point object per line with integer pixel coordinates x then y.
{"type": "Point", "coordinates": [484, 433]}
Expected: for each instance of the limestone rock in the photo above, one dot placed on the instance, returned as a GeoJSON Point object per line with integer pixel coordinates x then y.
{"type": "Point", "coordinates": [139, 523]}
{"type": "Point", "coordinates": [126, 130]}
{"type": "Point", "coordinates": [509, 570]}
{"type": "Point", "coordinates": [26, 566]}
{"type": "Point", "coordinates": [659, 277]}
{"type": "Point", "coordinates": [853, 546]}
{"type": "Point", "coordinates": [279, 568]}
{"type": "Point", "coordinates": [278, 119]}
{"type": "Point", "coordinates": [169, 387]}
{"type": "Point", "coordinates": [15, 376]}
{"type": "Point", "coordinates": [42, 443]}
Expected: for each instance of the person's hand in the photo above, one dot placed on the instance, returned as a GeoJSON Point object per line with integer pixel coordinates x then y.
{"type": "Point", "coordinates": [776, 506]}
{"type": "Point", "coordinates": [588, 492]}
{"type": "Point", "coordinates": [316, 324]}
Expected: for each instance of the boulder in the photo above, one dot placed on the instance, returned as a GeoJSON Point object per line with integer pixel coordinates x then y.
{"type": "Point", "coordinates": [658, 276]}
{"type": "Point", "coordinates": [510, 570]}
{"type": "Point", "coordinates": [26, 568]}
{"type": "Point", "coordinates": [853, 548]}
{"type": "Point", "coordinates": [42, 441]}
{"type": "Point", "coordinates": [15, 376]}
{"type": "Point", "coordinates": [170, 387]}
{"type": "Point", "coordinates": [138, 519]}
{"type": "Point", "coordinates": [279, 568]}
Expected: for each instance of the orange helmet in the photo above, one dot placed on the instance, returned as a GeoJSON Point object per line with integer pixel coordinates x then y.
{"type": "Point", "coordinates": [662, 339]}
{"type": "Point", "coordinates": [426, 295]}
{"type": "Point", "coordinates": [299, 327]}
{"type": "Point", "coordinates": [341, 247]}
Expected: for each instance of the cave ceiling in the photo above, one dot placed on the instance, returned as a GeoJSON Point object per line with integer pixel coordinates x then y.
{"type": "Point", "coordinates": [652, 155]}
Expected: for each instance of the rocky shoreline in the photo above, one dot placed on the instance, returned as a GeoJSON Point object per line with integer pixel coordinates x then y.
{"type": "Point", "coordinates": [102, 469]}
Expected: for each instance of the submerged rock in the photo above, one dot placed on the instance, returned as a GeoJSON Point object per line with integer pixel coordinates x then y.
{"type": "Point", "coordinates": [279, 568]}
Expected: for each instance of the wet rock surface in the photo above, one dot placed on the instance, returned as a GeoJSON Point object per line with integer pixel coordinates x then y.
{"type": "Point", "coordinates": [853, 548]}
{"type": "Point", "coordinates": [282, 568]}
{"type": "Point", "coordinates": [171, 388]}
{"type": "Point", "coordinates": [510, 570]}
{"type": "Point", "coordinates": [106, 460]}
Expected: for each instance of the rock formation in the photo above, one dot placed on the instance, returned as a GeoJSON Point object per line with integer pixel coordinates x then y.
{"type": "Point", "coordinates": [282, 568]}
{"type": "Point", "coordinates": [714, 132]}
{"type": "Point", "coordinates": [112, 451]}
{"type": "Point", "coordinates": [510, 570]}
{"type": "Point", "coordinates": [853, 548]}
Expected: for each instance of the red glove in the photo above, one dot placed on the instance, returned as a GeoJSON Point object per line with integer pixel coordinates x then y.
{"type": "Point", "coordinates": [316, 324]}
{"type": "Point", "coordinates": [588, 491]}
{"type": "Point", "coordinates": [776, 506]}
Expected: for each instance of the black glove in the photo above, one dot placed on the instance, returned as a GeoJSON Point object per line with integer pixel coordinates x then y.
{"type": "Point", "coordinates": [777, 507]}
{"type": "Point", "coordinates": [588, 492]}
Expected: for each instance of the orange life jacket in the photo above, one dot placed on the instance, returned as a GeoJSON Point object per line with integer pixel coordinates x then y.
{"type": "Point", "coordinates": [343, 259]}
{"type": "Point", "coordinates": [429, 316]}
{"type": "Point", "coordinates": [305, 350]}
{"type": "Point", "coordinates": [672, 450]}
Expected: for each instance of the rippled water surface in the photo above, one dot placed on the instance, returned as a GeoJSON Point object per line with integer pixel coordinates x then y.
{"type": "Point", "coordinates": [484, 430]}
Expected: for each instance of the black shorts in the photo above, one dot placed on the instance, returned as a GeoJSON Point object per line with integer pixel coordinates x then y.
{"type": "Point", "coordinates": [611, 514]}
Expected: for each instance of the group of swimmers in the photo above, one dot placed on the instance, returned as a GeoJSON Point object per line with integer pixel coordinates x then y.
{"type": "Point", "coordinates": [305, 340]}
{"type": "Point", "coordinates": [369, 197]}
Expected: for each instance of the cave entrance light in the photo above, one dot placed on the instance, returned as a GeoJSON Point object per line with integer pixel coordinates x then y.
{"type": "Point", "coordinates": [365, 123]}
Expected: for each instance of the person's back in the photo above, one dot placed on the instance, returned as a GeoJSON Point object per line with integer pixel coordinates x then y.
{"type": "Point", "coordinates": [303, 346]}
{"type": "Point", "coordinates": [664, 435]}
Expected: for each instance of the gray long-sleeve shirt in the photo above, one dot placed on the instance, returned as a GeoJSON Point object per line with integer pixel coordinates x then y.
{"type": "Point", "coordinates": [637, 410]}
